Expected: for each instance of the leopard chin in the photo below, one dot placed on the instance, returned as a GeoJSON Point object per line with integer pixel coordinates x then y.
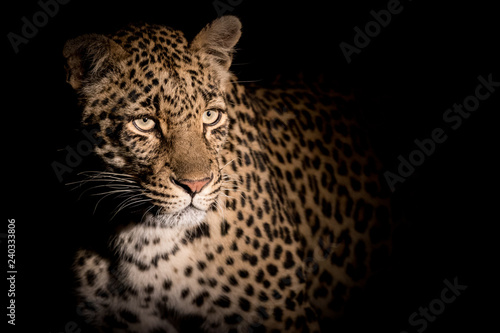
{"type": "Point", "coordinates": [187, 217]}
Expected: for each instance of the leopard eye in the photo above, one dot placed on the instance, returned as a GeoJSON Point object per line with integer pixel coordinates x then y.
{"type": "Point", "coordinates": [144, 124]}
{"type": "Point", "coordinates": [211, 117]}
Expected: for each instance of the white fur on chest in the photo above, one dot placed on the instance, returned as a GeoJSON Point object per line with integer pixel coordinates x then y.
{"type": "Point", "coordinates": [165, 264]}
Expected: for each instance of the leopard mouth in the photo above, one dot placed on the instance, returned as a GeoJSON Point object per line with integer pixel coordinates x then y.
{"type": "Point", "coordinates": [182, 208]}
{"type": "Point", "coordinates": [186, 217]}
{"type": "Point", "coordinates": [164, 207]}
{"type": "Point", "coordinates": [191, 205]}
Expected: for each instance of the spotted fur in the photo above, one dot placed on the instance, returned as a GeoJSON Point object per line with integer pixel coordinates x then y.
{"type": "Point", "coordinates": [265, 220]}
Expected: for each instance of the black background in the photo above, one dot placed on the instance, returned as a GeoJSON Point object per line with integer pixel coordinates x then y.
{"type": "Point", "coordinates": [424, 61]}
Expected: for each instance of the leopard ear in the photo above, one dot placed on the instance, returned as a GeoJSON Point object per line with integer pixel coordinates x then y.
{"type": "Point", "coordinates": [217, 40]}
{"type": "Point", "coordinates": [89, 58]}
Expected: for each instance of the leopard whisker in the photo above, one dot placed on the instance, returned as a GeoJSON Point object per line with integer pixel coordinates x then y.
{"type": "Point", "coordinates": [130, 202]}
{"type": "Point", "coordinates": [146, 211]}
{"type": "Point", "coordinates": [225, 165]}
{"type": "Point", "coordinates": [123, 193]}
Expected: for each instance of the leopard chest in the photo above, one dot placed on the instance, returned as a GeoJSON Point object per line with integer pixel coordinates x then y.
{"type": "Point", "coordinates": [167, 265]}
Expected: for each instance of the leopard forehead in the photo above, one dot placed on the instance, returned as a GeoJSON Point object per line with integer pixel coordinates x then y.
{"type": "Point", "coordinates": [160, 76]}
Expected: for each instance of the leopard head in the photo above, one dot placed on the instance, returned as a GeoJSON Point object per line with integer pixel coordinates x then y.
{"type": "Point", "coordinates": [158, 102]}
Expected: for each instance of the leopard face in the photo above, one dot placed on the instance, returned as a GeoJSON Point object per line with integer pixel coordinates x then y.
{"type": "Point", "coordinates": [161, 111]}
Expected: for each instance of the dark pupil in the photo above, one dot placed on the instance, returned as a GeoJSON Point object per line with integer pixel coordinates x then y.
{"type": "Point", "coordinates": [145, 120]}
{"type": "Point", "coordinates": [209, 114]}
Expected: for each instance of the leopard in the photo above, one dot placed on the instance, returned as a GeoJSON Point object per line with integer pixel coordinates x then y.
{"type": "Point", "coordinates": [249, 208]}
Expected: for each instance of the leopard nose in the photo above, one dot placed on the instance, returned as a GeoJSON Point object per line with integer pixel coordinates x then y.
{"type": "Point", "coordinates": [192, 186]}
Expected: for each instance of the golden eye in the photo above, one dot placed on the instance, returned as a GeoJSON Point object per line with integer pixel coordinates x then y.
{"type": "Point", "coordinates": [211, 117]}
{"type": "Point", "coordinates": [144, 124]}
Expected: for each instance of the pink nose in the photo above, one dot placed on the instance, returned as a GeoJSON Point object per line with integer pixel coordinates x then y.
{"type": "Point", "coordinates": [192, 186]}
